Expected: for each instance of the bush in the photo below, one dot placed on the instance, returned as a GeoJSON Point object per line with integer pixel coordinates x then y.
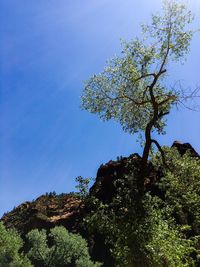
{"type": "Point", "coordinates": [10, 245]}
{"type": "Point", "coordinates": [58, 249]}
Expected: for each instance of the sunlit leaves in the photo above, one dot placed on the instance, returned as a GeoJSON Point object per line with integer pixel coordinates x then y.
{"type": "Point", "coordinates": [182, 184]}
{"type": "Point", "coordinates": [121, 91]}
{"type": "Point", "coordinates": [10, 246]}
{"type": "Point", "coordinates": [66, 249]}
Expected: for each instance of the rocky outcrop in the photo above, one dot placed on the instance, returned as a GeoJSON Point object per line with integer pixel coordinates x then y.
{"type": "Point", "coordinates": [46, 212]}
{"type": "Point", "coordinates": [186, 147]}
{"type": "Point", "coordinates": [103, 187]}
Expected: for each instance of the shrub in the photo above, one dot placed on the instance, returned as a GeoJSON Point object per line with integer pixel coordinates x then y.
{"type": "Point", "coordinates": [10, 245]}
{"type": "Point", "coordinates": [58, 249]}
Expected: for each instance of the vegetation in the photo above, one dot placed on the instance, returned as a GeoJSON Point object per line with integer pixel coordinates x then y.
{"type": "Point", "coordinates": [66, 249]}
{"type": "Point", "coordinates": [132, 89]}
{"type": "Point", "coordinates": [168, 232]}
{"type": "Point", "coordinates": [140, 227]}
{"type": "Point", "coordinates": [10, 246]}
{"type": "Point", "coordinates": [82, 186]}
{"type": "Point", "coordinates": [58, 249]}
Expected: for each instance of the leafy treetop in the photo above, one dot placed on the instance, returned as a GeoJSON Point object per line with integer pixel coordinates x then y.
{"type": "Point", "coordinates": [131, 89]}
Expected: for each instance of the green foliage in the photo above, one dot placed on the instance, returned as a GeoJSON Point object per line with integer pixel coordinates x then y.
{"type": "Point", "coordinates": [170, 31]}
{"type": "Point", "coordinates": [140, 229]}
{"type": "Point", "coordinates": [131, 88]}
{"type": "Point", "coordinates": [182, 184]}
{"type": "Point", "coordinates": [165, 233]}
{"type": "Point", "coordinates": [58, 249]}
{"type": "Point", "coordinates": [126, 232]}
{"type": "Point", "coordinates": [83, 186]}
{"type": "Point", "coordinates": [168, 246]}
{"type": "Point", "coordinates": [10, 245]}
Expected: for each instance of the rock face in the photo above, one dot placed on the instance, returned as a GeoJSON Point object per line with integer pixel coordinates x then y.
{"type": "Point", "coordinates": [103, 187]}
{"type": "Point", "coordinates": [46, 212]}
{"type": "Point", "coordinates": [186, 147]}
{"type": "Point", "coordinates": [68, 210]}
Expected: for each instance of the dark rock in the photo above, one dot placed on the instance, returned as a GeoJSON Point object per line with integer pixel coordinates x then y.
{"type": "Point", "coordinates": [185, 147]}
{"type": "Point", "coordinates": [103, 187]}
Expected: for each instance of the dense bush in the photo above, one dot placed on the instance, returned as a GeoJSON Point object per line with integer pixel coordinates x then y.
{"type": "Point", "coordinates": [163, 232]}
{"type": "Point", "coordinates": [10, 245]}
{"type": "Point", "coordinates": [181, 184]}
{"type": "Point", "coordinates": [58, 249]}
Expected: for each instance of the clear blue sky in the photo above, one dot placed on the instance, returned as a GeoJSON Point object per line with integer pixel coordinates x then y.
{"type": "Point", "coordinates": [47, 49]}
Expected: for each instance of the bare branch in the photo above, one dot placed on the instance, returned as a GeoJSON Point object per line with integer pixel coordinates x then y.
{"type": "Point", "coordinates": [188, 107]}
{"type": "Point", "coordinates": [189, 96]}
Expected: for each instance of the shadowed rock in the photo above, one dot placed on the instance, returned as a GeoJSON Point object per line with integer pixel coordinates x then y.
{"type": "Point", "coordinates": [185, 147]}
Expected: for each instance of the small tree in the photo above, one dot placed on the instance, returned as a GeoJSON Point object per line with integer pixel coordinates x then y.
{"type": "Point", "coordinates": [132, 88]}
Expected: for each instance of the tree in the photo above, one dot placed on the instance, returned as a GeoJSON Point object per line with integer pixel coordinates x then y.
{"type": "Point", "coordinates": [66, 249]}
{"type": "Point", "coordinates": [10, 245]}
{"type": "Point", "coordinates": [132, 88]}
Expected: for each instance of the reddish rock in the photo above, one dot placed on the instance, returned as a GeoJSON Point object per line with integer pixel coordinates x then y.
{"type": "Point", "coordinates": [46, 212]}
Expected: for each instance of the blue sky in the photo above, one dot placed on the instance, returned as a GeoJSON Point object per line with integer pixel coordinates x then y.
{"type": "Point", "coordinates": [47, 49]}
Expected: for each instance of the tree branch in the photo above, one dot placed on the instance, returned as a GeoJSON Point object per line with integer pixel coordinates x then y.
{"type": "Point", "coordinates": [160, 150]}
{"type": "Point", "coordinates": [172, 97]}
{"type": "Point", "coordinates": [144, 76]}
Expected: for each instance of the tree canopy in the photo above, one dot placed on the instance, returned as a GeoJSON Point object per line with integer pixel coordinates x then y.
{"type": "Point", "coordinates": [66, 249]}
